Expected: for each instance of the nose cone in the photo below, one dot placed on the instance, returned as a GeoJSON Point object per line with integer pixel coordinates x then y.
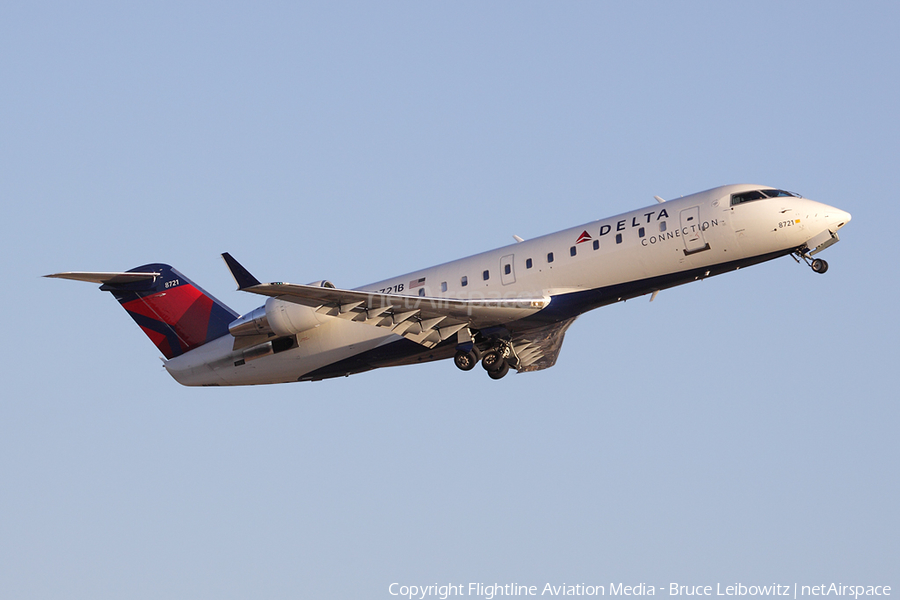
{"type": "Point", "coordinates": [838, 217]}
{"type": "Point", "coordinates": [833, 218]}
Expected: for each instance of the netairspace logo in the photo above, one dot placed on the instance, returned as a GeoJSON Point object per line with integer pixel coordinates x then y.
{"type": "Point", "coordinates": [489, 591]}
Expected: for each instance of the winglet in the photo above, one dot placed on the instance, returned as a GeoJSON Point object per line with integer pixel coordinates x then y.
{"type": "Point", "coordinates": [242, 276]}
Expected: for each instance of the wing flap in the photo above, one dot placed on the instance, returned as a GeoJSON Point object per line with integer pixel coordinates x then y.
{"type": "Point", "coordinates": [539, 348]}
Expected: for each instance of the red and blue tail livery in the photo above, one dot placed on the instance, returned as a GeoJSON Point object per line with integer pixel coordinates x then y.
{"type": "Point", "coordinates": [175, 313]}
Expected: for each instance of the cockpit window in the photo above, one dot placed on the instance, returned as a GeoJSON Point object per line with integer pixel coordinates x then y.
{"type": "Point", "coordinates": [759, 195]}
{"type": "Point", "coordinates": [747, 197]}
{"type": "Point", "coordinates": [779, 194]}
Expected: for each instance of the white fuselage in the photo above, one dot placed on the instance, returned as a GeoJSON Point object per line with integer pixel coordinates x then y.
{"type": "Point", "coordinates": [579, 268]}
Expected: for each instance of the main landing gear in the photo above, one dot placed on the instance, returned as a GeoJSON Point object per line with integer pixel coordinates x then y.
{"type": "Point", "coordinates": [816, 264]}
{"type": "Point", "coordinates": [466, 360]}
{"type": "Point", "coordinates": [495, 363]}
{"type": "Point", "coordinates": [494, 360]}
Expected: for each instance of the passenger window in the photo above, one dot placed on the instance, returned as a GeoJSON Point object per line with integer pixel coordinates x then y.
{"type": "Point", "coordinates": [550, 257]}
{"type": "Point", "coordinates": [507, 269]}
{"type": "Point", "coordinates": [528, 264]}
{"type": "Point", "coordinates": [464, 281]}
{"type": "Point", "coordinates": [443, 286]}
{"type": "Point", "coordinates": [641, 232]}
{"type": "Point", "coordinates": [596, 244]}
{"type": "Point", "coordinates": [572, 251]}
{"type": "Point", "coordinates": [422, 292]}
{"type": "Point", "coordinates": [618, 238]}
{"type": "Point", "coordinates": [662, 226]}
{"type": "Point", "coordinates": [486, 275]}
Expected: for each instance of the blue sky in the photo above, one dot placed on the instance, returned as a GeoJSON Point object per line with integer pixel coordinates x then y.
{"type": "Point", "coordinates": [742, 429]}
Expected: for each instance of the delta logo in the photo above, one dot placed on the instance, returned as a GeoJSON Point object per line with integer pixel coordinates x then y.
{"type": "Point", "coordinates": [584, 237]}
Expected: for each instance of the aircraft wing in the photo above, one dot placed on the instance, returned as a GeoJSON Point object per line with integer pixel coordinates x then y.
{"type": "Point", "coordinates": [538, 349]}
{"type": "Point", "coordinates": [424, 320]}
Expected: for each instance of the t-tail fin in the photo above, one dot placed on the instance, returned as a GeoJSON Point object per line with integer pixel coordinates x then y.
{"type": "Point", "coordinates": [175, 313]}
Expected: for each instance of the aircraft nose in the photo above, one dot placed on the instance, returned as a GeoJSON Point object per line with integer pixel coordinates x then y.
{"type": "Point", "coordinates": [830, 216]}
{"type": "Point", "coordinates": [839, 217]}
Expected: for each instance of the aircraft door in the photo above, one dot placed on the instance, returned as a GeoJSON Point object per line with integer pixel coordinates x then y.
{"type": "Point", "coordinates": [692, 231]}
{"type": "Point", "coordinates": [507, 270]}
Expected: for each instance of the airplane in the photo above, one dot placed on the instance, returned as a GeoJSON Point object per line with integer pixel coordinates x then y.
{"type": "Point", "coordinates": [507, 308]}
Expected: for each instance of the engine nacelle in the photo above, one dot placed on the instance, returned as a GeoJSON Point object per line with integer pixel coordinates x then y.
{"type": "Point", "coordinates": [288, 318]}
{"type": "Point", "coordinates": [323, 283]}
{"type": "Point", "coordinates": [279, 317]}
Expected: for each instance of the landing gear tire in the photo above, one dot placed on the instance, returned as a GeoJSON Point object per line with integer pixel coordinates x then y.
{"type": "Point", "coordinates": [465, 361]}
{"type": "Point", "coordinates": [819, 266]}
{"type": "Point", "coordinates": [500, 372]}
{"type": "Point", "coordinates": [493, 360]}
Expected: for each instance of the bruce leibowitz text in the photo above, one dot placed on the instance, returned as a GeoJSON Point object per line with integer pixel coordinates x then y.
{"type": "Point", "coordinates": [490, 591]}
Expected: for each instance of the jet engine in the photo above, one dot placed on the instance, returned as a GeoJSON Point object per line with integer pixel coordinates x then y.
{"type": "Point", "coordinates": [279, 317]}
{"type": "Point", "coordinates": [324, 283]}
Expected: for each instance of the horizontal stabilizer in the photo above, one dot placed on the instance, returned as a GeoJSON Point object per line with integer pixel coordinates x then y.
{"type": "Point", "coordinates": [106, 278]}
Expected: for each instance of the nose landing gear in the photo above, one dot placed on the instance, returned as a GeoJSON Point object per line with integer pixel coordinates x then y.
{"type": "Point", "coordinates": [819, 266]}
{"type": "Point", "coordinates": [816, 264]}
